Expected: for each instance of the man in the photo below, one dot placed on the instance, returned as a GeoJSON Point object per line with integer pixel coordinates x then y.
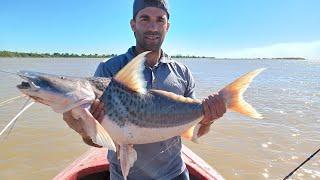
{"type": "Point", "coordinates": [160, 160]}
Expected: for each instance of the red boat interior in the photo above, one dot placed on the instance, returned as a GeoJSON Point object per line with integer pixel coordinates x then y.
{"type": "Point", "coordinates": [94, 165]}
{"type": "Point", "coordinates": [105, 176]}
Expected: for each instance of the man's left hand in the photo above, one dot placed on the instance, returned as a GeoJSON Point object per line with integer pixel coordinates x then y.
{"type": "Point", "coordinates": [214, 107]}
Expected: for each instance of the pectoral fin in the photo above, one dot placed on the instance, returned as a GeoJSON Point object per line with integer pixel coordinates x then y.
{"type": "Point", "coordinates": [103, 138]}
{"type": "Point", "coordinates": [95, 131]}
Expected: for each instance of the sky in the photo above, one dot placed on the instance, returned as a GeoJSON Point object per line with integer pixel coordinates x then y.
{"type": "Point", "coordinates": [228, 28]}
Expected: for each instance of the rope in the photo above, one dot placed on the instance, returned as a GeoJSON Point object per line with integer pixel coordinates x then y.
{"type": "Point", "coordinates": [16, 117]}
{"type": "Point", "coordinates": [11, 99]}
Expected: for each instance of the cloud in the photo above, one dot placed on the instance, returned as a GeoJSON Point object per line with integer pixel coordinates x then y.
{"type": "Point", "coordinates": [309, 50]}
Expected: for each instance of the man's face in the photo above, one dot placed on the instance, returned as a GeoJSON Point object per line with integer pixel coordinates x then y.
{"type": "Point", "coordinates": [150, 27]}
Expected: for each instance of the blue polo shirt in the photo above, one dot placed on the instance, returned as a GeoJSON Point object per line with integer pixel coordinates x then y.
{"type": "Point", "coordinates": [160, 160]}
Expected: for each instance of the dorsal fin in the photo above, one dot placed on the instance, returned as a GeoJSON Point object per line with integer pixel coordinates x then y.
{"type": "Point", "coordinates": [131, 75]}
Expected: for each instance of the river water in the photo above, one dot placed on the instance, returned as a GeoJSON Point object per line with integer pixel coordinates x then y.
{"type": "Point", "coordinates": [287, 94]}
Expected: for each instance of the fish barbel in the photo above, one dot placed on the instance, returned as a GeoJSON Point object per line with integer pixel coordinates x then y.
{"type": "Point", "coordinates": [133, 114]}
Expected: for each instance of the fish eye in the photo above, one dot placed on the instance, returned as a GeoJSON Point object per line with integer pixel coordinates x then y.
{"type": "Point", "coordinates": [61, 77]}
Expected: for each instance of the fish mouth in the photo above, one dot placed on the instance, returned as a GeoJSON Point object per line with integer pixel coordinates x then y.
{"type": "Point", "coordinates": [24, 85]}
{"type": "Point", "coordinates": [29, 85]}
{"type": "Point", "coordinates": [28, 88]}
{"type": "Point", "coordinates": [30, 81]}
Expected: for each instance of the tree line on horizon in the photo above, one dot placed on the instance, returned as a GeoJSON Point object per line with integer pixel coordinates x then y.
{"type": "Point", "coordinates": [189, 56]}
{"type": "Point", "coordinates": [48, 55]}
{"type": "Point", "coordinates": [56, 54]}
{"type": "Point", "coordinates": [73, 55]}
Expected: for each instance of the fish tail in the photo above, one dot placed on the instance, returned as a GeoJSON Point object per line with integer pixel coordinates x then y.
{"type": "Point", "coordinates": [232, 95]}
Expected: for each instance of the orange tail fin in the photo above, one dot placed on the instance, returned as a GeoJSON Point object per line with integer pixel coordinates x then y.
{"type": "Point", "coordinates": [232, 95]}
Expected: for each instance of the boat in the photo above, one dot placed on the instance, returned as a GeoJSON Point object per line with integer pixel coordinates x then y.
{"type": "Point", "coordinates": [93, 164]}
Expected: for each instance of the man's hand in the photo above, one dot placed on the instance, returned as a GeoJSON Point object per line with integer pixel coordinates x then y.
{"type": "Point", "coordinates": [214, 108]}
{"type": "Point", "coordinates": [97, 110]}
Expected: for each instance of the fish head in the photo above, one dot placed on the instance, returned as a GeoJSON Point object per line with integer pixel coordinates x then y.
{"type": "Point", "coordinates": [61, 93]}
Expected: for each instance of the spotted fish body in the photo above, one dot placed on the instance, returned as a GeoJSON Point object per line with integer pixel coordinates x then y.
{"type": "Point", "coordinates": [133, 114]}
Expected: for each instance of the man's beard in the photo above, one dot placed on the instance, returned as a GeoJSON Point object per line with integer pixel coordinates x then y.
{"type": "Point", "coordinates": [149, 46]}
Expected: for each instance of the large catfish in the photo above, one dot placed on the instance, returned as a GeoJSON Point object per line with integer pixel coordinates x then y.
{"type": "Point", "coordinates": [133, 114]}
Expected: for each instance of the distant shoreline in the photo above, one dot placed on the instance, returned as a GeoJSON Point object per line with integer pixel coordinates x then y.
{"type": "Point", "coordinates": [10, 54]}
{"type": "Point", "coordinates": [284, 58]}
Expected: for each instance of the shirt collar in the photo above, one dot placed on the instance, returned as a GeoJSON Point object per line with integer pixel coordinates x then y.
{"type": "Point", "coordinates": [165, 58]}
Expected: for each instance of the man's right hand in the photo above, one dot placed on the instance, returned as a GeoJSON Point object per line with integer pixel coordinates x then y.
{"type": "Point", "coordinates": [97, 110]}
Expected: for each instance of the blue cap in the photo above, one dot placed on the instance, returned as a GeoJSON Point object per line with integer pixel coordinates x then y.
{"type": "Point", "coordinates": [141, 4]}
